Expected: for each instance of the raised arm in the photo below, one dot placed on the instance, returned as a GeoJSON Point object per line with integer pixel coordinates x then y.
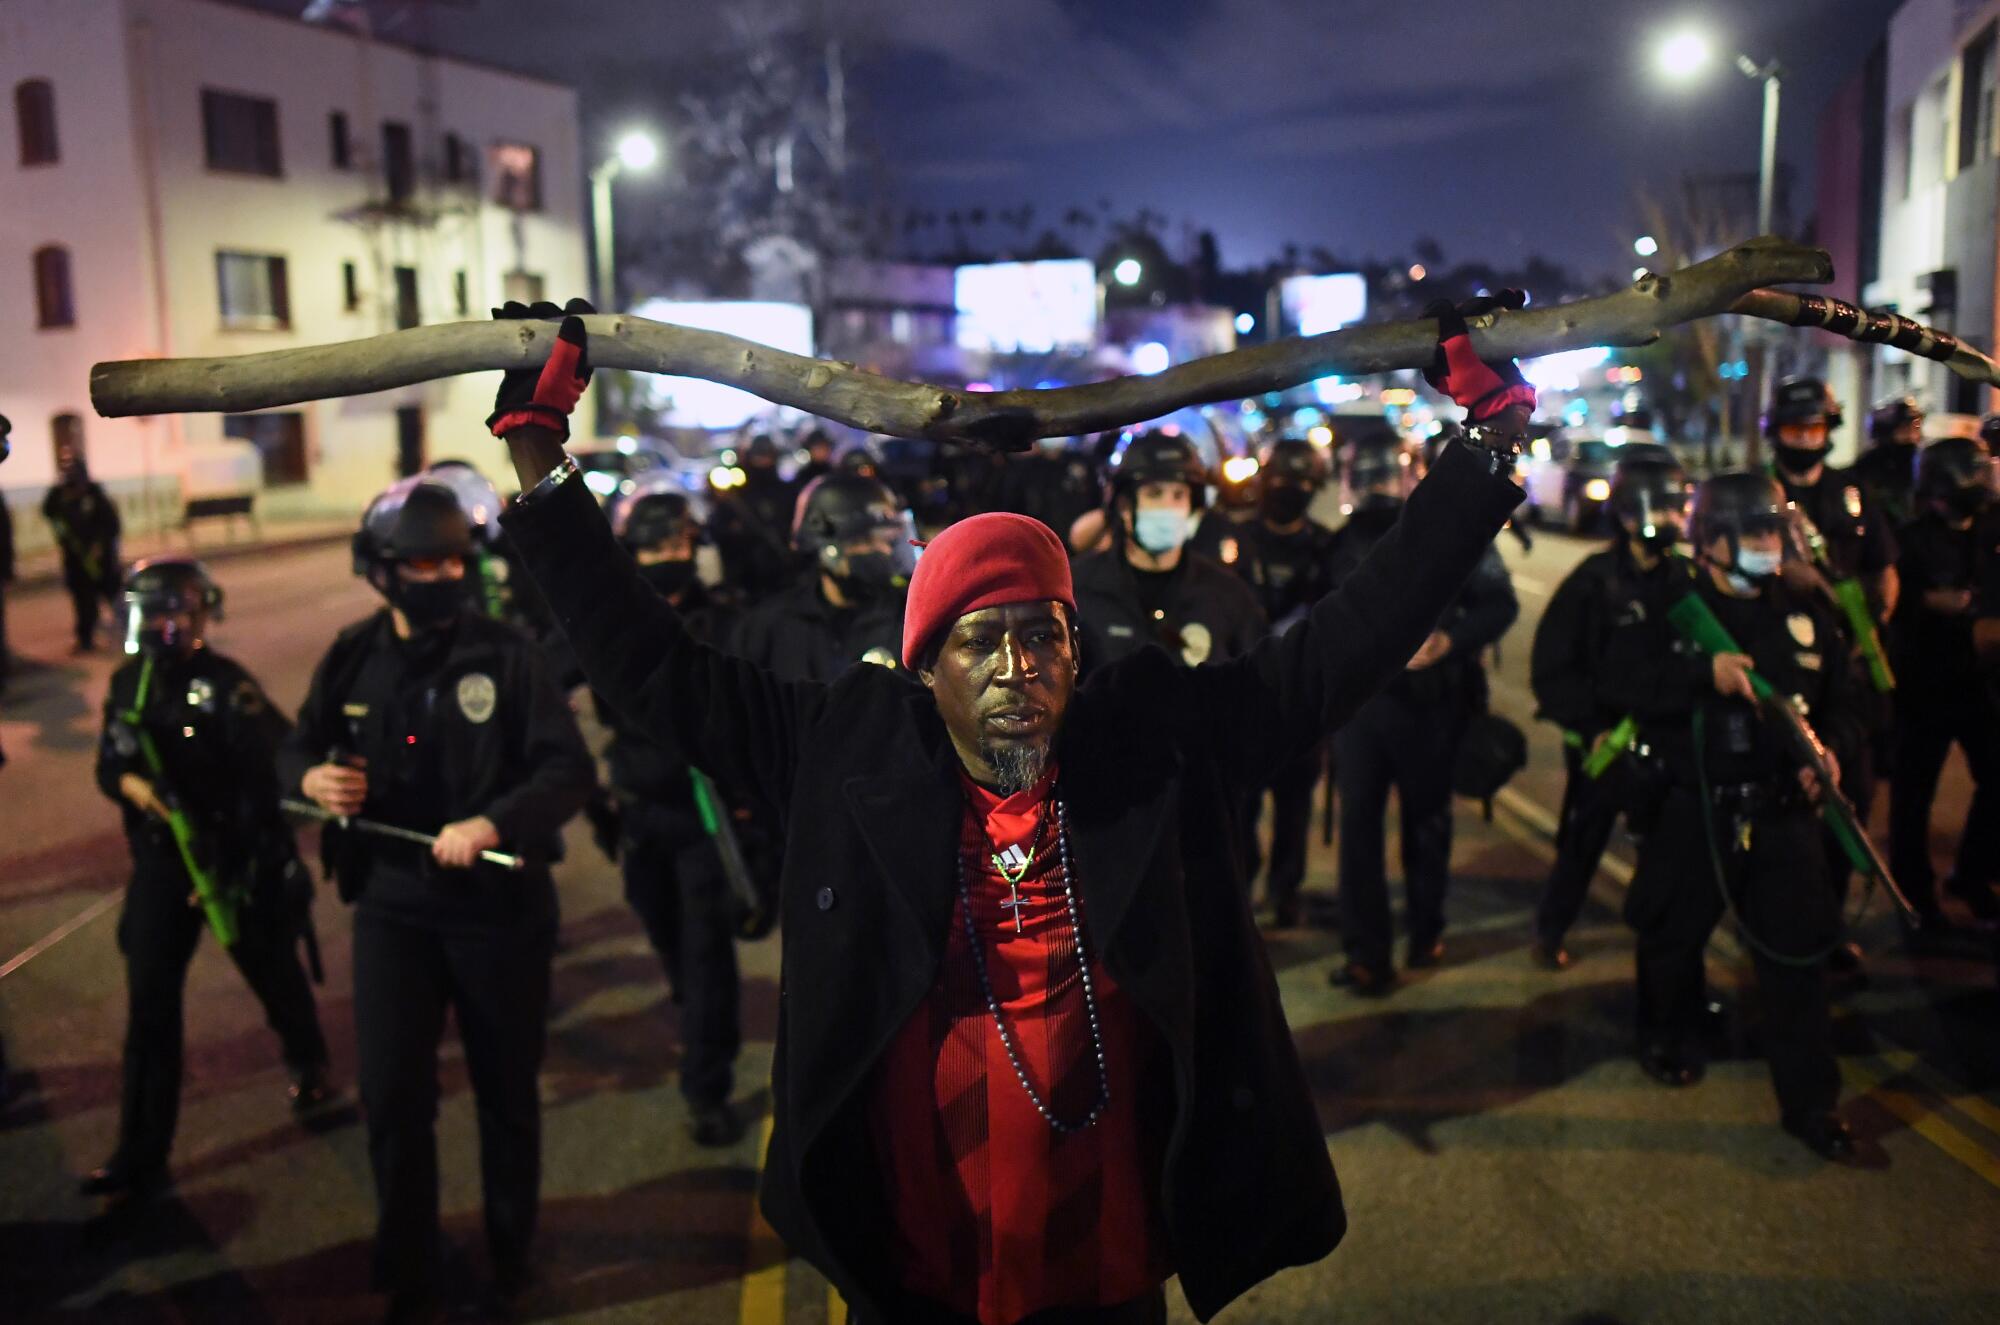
{"type": "Point", "coordinates": [734, 719]}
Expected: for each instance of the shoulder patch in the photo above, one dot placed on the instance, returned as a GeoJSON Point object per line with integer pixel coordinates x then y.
{"type": "Point", "coordinates": [1801, 626]}
{"type": "Point", "coordinates": [477, 696]}
{"type": "Point", "coordinates": [1851, 497]}
{"type": "Point", "coordinates": [1196, 644]}
{"type": "Point", "coordinates": [881, 657]}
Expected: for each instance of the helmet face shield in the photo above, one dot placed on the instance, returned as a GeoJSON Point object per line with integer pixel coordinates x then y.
{"type": "Point", "coordinates": [168, 603]}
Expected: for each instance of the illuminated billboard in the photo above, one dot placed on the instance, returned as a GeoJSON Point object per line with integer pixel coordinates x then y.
{"type": "Point", "coordinates": [696, 403]}
{"type": "Point", "coordinates": [1026, 307]}
{"type": "Point", "coordinates": [1313, 305]}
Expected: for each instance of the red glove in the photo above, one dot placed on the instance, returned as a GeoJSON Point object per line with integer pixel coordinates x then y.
{"type": "Point", "coordinates": [1481, 388]}
{"type": "Point", "coordinates": [546, 395]}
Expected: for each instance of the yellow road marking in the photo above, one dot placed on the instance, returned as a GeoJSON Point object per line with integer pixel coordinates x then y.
{"type": "Point", "coordinates": [1904, 1062]}
{"type": "Point", "coordinates": [765, 1258]}
{"type": "Point", "coordinates": [836, 1307]}
{"type": "Point", "coordinates": [1863, 1076]}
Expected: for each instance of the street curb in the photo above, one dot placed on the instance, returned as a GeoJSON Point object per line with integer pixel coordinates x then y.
{"type": "Point", "coordinates": [52, 575]}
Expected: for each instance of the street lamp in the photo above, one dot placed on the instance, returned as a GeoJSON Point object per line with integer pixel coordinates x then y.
{"type": "Point", "coordinates": [1686, 54]}
{"type": "Point", "coordinates": [636, 151]}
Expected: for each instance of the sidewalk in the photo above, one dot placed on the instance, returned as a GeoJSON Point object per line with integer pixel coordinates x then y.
{"type": "Point", "coordinates": [210, 540]}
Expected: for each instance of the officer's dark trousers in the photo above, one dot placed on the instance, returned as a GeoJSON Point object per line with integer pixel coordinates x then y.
{"type": "Point", "coordinates": [86, 597]}
{"type": "Point", "coordinates": [494, 978]}
{"type": "Point", "coordinates": [1924, 736]}
{"type": "Point", "coordinates": [1291, 824]}
{"type": "Point", "coordinates": [1148, 1310]}
{"type": "Point", "coordinates": [157, 932]}
{"type": "Point", "coordinates": [1582, 833]}
{"type": "Point", "coordinates": [1781, 893]}
{"type": "Point", "coordinates": [674, 880]}
{"type": "Point", "coordinates": [1392, 742]}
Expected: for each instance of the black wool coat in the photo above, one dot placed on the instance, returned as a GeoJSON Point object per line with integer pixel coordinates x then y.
{"type": "Point", "coordinates": [1154, 758]}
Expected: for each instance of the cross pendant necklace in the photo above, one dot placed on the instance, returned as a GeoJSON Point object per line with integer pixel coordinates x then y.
{"type": "Point", "coordinates": [1014, 864]}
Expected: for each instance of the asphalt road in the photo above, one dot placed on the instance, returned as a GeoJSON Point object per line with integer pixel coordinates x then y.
{"type": "Point", "coordinates": [1502, 1156]}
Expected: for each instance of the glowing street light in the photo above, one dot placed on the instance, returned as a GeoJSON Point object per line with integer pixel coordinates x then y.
{"type": "Point", "coordinates": [638, 151]}
{"type": "Point", "coordinates": [1128, 271]}
{"type": "Point", "coordinates": [1685, 54]}
{"type": "Point", "coordinates": [1645, 246]}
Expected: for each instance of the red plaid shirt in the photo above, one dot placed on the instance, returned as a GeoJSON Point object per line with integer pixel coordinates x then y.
{"type": "Point", "coordinates": [998, 1215]}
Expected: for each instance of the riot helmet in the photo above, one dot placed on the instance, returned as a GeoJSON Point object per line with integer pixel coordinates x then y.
{"type": "Point", "coordinates": [1956, 475]}
{"type": "Point", "coordinates": [1735, 505]}
{"type": "Point", "coordinates": [1798, 404]}
{"type": "Point", "coordinates": [169, 602]}
{"type": "Point", "coordinates": [412, 546]}
{"type": "Point", "coordinates": [856, 534]}
{"type": "Point", "coordinates": [477, 496]}
{"type": "Point", "coordinates": [1989, 433]}
{"type": "Point", "coordinates": [1891, 417]}
{"type": "Point", "coordinates": [1376, 472]}
{"type": "Point", "coordinates": [1293, 471]}
{"type": "Point", "coordinates": [1649, 500]}
{"type": "Point", "coordinates": [1154, 456]}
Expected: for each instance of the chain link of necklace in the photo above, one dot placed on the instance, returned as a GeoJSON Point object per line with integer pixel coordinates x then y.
{"type": "Point", "coordinates": [1083, 966]}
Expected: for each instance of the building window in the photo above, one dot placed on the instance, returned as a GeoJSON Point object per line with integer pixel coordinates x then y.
{"type": "Point", "coordinates": [54, 306]}
{"type": "Point", "coordinates": [280, 439]}
{"type": "Point", "coordinates": [240, 134]}
{"type": "Point", "coordinates": [350, 287]}
{"type": "Point", "coordinates": [253, 291]}
{"type": "Point", "coordinates": [525, 286]}
{"type": "Point", "coordinates": [459, 165]}
{"type": "Point", "coordinates": [342, 146]}
{"type": "Point", "coordinates": [407, 313]}
{"type": "Point", "coordinates": [1975, 105]}
{"type": "Point", "coordinates": [461, 293]}
{"type": "Point", "coordinates": [66, 431]}
{"type": "Point", "coordinates": [399, 169]}
{"type": "Point", "coordinates": [516, 169]}
{"type": "Point", "coordinates": [35, 115]}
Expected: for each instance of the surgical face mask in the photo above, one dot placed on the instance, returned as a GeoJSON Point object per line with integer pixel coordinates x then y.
{"type": "Point", "coordinates": [1799, 460]}
{"type": "Point", "coordinates": [429, 604]}
{"type": "Point", "coordinates": [1159, 531]}
{"type": "Point", "coordinates": [1755, 566]}
{"type": "Point", "coordinates": [1285, 502]}
{"type": "Point", "coordinates": [668, 578]}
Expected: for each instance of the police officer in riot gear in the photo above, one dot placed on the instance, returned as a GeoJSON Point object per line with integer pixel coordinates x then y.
{"type": "Point", "coordinates": [1148, 587]}
{"type": "Point", "coordinates": [1052, 483]}
{"type": "Point", "coordinates": [489, 578]}
{"type": "Point", "coordinates": [1406, 737]}
{"type": "Point", "coordinates": [187, 752]}
{"type": "Point", "coordinates": [430, 717]}
{"type": "Point", "coordinates": [1285, 557]}
{"type": "Point", "coordinates": [666, 849]}
{"type": "Point", "coordinates": [847, 605]}
{"type": "Point", "coordinates": [1887, 470]}
{"type": "Point", "coordinates": [1628, 584]}
{"type": "Point", "coordinates": [751, 522]}
{"type": "Point", "coordinates": [85, 523]}
{"type": "Point", "coordinates": [1942, 695]}
{"type": "Point", "coordinates": [1736, 825]}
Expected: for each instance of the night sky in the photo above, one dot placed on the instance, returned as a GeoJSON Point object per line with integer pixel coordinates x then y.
{"type": "Point", "coordinates": [1502, 129]}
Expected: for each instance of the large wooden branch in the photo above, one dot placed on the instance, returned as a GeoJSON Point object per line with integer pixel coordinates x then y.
{"type": "Point", "coordinates": [1003, 420]}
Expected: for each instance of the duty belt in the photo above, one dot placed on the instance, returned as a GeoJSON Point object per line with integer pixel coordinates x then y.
{"type": "Point", "coordinates": [1758, 799]}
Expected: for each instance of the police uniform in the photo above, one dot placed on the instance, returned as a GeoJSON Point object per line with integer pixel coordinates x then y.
{"type": "Point", "coordinates": [216, 736]}
{"type": "Point", "coordinates": [1885, 473]}
{"type": "Point", "coordinates": [1942, 697]}
{"type": "Point", "coordinates": [87, 528]}
{"type": "Point", "coordinates": [1406, 737]}
{"type": "Point", "coordinates": [1757, 823]}
{"type": "Point", "coordinates": [458, 721]}
{"type": "Point", "coordinates": [1198, 612]}
{"type": "Point", "coordinates": [750, 527]}
{"type": "Point", "coordinates": [1573, 687]}
{"type": "Point", "coordinates": [1288, 571]}
{"type": "Point", "coordinates": [674, 880]}
{"type": "Point", "coordinates": [1056, 488]}
{"type": "Point", "coordinates": [800, 636]}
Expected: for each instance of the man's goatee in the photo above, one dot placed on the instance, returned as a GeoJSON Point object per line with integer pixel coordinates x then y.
{"type": "Point", "coordinates": [1017, 766]}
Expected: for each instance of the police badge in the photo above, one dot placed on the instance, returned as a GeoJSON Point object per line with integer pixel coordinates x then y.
{"type": "Point", "coordinates": [476, 696]}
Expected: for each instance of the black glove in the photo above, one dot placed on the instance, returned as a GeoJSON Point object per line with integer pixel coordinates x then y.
{"type": "Point", "coordinates": [1481, 387]}
{"type": "Point", "coordinates": [545, 395]}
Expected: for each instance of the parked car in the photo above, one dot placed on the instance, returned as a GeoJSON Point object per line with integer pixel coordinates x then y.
{"type": "Point", "coordinates": [1571, 484]}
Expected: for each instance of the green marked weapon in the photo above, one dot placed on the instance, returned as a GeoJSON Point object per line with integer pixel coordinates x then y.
{"type": "Point", "coordinates": [1617, 743]}
{"type": "Point", "coordinates": [755, 915]}
{"type": "Point", "coordinates": [221, 906]}
{"type": "Point", "coordinates": [1700, 627]}
{"type": "Point", "coordinates": [1852, 600]}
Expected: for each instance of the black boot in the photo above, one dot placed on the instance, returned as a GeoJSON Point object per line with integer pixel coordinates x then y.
{"type": "Point", "coordinates": [1824, 1134]}
{"type": "Point", "coordinates": [1669, 1064]}
{"type": "Point", "coordinates": [715, 1125]}
{"type": "Point", "coordinates": [120, 1177]}
{"type": "Point", "coordinates": [311, 1089]}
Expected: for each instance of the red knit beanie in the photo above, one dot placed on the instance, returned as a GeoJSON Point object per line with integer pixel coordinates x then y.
{"type": "Point", "coordinates": [982, 561]}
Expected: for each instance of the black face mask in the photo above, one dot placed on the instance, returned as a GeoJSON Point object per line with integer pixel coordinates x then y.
{"type": "Point", "coordinates": [668, 578]}
{"type": "Point", "coordinates": [1800, 460]}
{"type": "Point", "coordinates": [870, 575]}
{"type": "Point", "coordinates": [1660, 535]}
{"type": "Point", "coordinates": [1969, 501]}
{"type": "Point", "coordinates": [431, 604]}
{"type": "Point", "coordinates": [1283, 502]}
